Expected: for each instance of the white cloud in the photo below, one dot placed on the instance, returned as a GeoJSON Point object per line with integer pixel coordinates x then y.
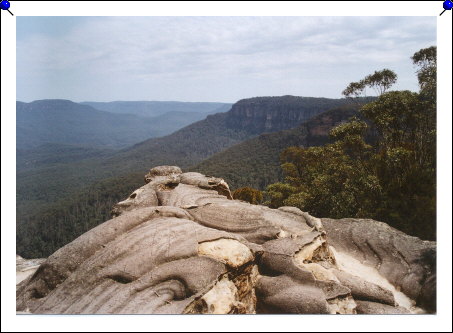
{"type": "Point", "coordinates": [215, 58]}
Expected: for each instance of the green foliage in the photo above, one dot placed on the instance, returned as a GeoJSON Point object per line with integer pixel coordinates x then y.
{"type": "Point", "coordinates": [426, 61]}
{"type": "Point", "coordinates": [380, 81]}
{"type": "Point", "coordinates": [425, 57]}
{"type": "Point", "coordinates": [248, 194]}
{"type": "Point", "coordinates": [404, 119]}
{"type": "Point", "coordinates": [52, 154]}
{"type": "Point", "coordinates": [277, 194]}
{"type": "Point", "coordinates": [328, 181]}
{"type": "Point", "coordinates": [352, 128]}
{"type": "Point", "coordinates": [39, 233]}
{"type": "Point", "coordinates": [354, 89]}
{"type": "Point", "coordinates": [393, 179]}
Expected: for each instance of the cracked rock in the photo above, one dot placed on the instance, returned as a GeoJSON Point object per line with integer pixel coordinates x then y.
{"type": "Point", "coordinates": [180, 244]}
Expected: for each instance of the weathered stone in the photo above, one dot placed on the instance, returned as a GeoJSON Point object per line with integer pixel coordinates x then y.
{"type": "Point", "coordinates": [26, 267]}
{"type": "Point", "coordinates": [282, 294]}
{"type": "Point", "coordinates": [365, 307]}
{"type": "Point", "coordinates": [164, 170]}
{"type": "Point", "coordinates": [363, 290]}
{"type": "Point", "coordinates": [145, 196]}
{"type": "Point", "coordinates": [180, 244]}
{"type": "Point", "coordinates": [407, 262]}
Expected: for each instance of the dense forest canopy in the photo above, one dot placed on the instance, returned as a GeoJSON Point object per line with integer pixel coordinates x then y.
{"type": "Point", "coordinates": [392, 179]}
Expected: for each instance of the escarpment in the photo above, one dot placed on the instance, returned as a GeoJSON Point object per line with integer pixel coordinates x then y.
{"type": "Point", "coordinates": [180, 244]}
{"type": "Point", "coordinates": [270, 114]}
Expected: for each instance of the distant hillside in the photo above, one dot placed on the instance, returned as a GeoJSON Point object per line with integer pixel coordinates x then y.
{"type": "Point", "coordinates": [270, 114]}
{"type": "Point", "coordinates": [255, 162]}
{"type": "Point", "coordinates": [172, 121]}
{"type": "Point", "coordinates": [55, 153]}
{"type": "Point", "coordinates": [65, 122]}
{"type": "Point", "coordinates": [185, 147]}
{"type": "Point", "coordinates": [38, 187]}
{"type": "Point", "coordinates": [156, 108]}
{"type": "Point", "coordinates": [40, 231]}
{"type": "Point", "coordinates": [247, 118]}
{"type": "Point", "coordinates": [62, 185]}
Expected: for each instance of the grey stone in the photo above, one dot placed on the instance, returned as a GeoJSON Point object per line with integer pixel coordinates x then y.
{"type": "Point", "coordinates": [180, 244]}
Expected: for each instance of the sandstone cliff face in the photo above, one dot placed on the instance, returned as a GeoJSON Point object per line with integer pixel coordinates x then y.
{"type": "Point", "coordinates": [180, 244]}
{"type": "Point", "coordinates": [270, 114]}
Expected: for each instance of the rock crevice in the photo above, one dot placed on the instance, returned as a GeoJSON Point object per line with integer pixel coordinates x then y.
{"type": "Point", "coordinates": [180, 244]}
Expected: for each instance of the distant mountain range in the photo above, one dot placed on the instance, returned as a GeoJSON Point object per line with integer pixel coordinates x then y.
{"type": "Point", "coordinates": [185, 147]}
{"type": "Point", "coordinates": [157, 108]}
{"type": "Point", "coordinates": [65, 122]}
{"type": "Point", "coordinates": [47, 193]}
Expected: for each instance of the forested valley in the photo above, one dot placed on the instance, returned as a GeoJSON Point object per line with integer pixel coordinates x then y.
{"type": "Point", "coordinates": [363, 157]}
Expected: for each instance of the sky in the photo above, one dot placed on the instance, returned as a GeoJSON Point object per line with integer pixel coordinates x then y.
{"type": "Point", "coordinates": [211, 59]}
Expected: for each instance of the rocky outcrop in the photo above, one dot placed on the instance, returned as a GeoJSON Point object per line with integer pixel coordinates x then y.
{"type": "Point", "coordinates": [180, 244]}
{"type": "Point", "coordinates": [270, 114]}
{"type": "Point", "coordinates": [26, 267]}
{"type": "Point", "coordinates": [408, 263]}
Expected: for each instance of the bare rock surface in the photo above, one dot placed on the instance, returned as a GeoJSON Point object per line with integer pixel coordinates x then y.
{"type": "Point", "coordinates": [180, 244]}
{"type": "Point", "coordinates": [365, 307]}
{"type": "Point", "coordinates": [26, 267]}
{"type": "Point", "coordinates": [406, 262]}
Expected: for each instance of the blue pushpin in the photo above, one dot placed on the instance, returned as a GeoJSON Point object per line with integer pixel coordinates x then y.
{"type": "Point", "coordinates": [447, 6]}
{"type": "Point", "coordinates": [5, 6]}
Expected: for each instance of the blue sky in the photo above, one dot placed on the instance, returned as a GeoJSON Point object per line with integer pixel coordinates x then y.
{"type": "Point", "coordinates": [220, 59]}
